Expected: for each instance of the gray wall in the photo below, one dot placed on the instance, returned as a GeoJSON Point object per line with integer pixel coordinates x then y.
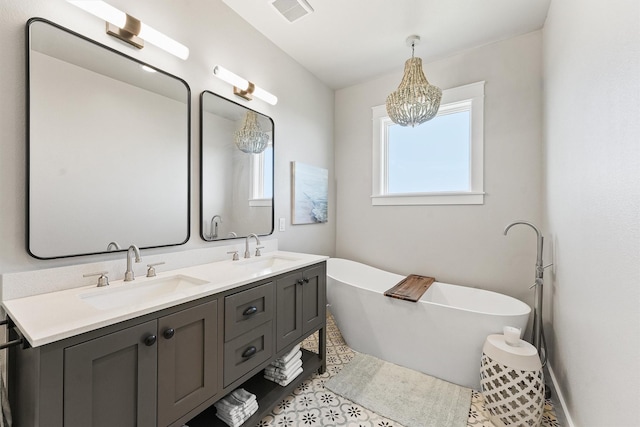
{"type": "Point", "coordinates": [216, 35]}
{"type": "Point", "coordinates": [457, 244]}
{"type": "Point", "coordinates": [592, 156]}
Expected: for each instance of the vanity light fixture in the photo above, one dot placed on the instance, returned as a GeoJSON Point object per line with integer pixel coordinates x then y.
{"type": "Point", "coordinates": [415, 101]}
{"type": "Point", "coordinates": [243, 87]}
{"type": "Point", "coordinates": [129, 29]}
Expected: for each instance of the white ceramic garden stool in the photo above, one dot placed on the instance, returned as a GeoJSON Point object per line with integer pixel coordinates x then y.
{"type": "Point", "coordinates": [512, 382]}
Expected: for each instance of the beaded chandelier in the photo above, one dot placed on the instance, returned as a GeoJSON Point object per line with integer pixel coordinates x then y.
{"type": "Point", "coordinates": [415, 101]}
{"type": "Point", "coordinates": [250, 138]}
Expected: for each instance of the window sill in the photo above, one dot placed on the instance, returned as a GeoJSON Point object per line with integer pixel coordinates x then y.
{"type": "Point", "coordinates": [448, 198]}
{"type": "Point", "coordinates": [260, 202]}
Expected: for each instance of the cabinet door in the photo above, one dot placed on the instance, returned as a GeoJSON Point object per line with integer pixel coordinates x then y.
{"type": "Point", "coordinates": [111, 380]}
{"type": "Point", "coordinates": [314, 293]}
{"type": "Point", "coordinates": [289, 313]}
{"type": "Point", "coordinates": [187, 360]}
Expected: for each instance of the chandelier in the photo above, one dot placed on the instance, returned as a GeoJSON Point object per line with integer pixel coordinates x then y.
{"type": "Point", "coordinates": [250, 138]}
{"type": "Point", "coordinates": [415, 101]}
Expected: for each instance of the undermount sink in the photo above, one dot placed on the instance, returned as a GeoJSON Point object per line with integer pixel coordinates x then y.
{"type": "Point", "coordinates": [132, 293]}
{"type": "Point", "coordinates": [264, 262]}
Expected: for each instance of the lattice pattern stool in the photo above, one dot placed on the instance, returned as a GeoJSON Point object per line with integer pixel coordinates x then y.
{"type": "Point", "coordinates": [512, 382]}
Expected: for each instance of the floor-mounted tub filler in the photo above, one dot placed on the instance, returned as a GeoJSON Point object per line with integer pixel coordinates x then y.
{"type": "Point", "coordinates": [441, 335]}
{"type": "Point", "coordinates": [537, 334]}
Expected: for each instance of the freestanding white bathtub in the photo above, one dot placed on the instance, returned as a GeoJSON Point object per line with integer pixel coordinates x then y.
{"type": "Point", "coordinates": [441, 335]}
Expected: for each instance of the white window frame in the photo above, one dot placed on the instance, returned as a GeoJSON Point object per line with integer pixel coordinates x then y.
{"type": "Point", "coordinates": [256, 181]}
{"type": "Point", "coordinates": [453, 100]}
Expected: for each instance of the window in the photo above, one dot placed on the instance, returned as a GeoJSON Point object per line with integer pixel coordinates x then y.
{"type": "Point", "coordinates": [437, 163]}
{"type": "Point", "coordinates": [262, 178]}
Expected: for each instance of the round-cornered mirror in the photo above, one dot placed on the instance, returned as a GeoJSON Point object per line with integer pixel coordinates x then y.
{"type": "Point", "coordinates": [108, 148]}
{"type": "Point", "coordinates": [236, 186]}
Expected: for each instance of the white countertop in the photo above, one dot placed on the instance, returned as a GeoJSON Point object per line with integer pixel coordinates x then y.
{"type": "Point", "coordinates": [49, 317]}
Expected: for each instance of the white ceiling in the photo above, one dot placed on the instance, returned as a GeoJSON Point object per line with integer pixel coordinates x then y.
{"type": "Point", "coordinates": [344, 42]}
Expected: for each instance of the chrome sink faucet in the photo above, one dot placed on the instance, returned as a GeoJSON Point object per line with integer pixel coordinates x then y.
{"type": "Point", "coordinates": [133, 250]}
{"type": "Point", "coordinates": [247, 254]}
{"type": "Point", "coordinates": [214, 226]}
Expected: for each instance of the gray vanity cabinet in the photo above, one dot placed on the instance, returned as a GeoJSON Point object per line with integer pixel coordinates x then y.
{"type": "Point", "coordinates": [145, 372]}
{"type": "Point", "coordinates": [111, 380]}
{"type": "Point", "coordinates": [168, 368]}
{"type": "Point", "coordinates": [301, 304]}
{"type": "Point", "coordinates": [187, 360]}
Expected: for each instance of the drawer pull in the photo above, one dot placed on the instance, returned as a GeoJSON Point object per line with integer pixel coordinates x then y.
{"type": "Point", "coordinates": [251, 351]}
{"type": "Point", "coordinates": [250, 310]}
{"type": "Point", "coordinates": [168, 333]}
{"type": "Point", "coordinates": [150, 340]}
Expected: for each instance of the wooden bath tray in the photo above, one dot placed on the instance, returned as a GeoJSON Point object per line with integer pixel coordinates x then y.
{"type": "Point", "coordinates": [411, 288]}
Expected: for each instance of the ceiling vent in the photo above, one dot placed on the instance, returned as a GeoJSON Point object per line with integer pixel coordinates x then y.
{"type": "Point", "coordinates": [292, 10]}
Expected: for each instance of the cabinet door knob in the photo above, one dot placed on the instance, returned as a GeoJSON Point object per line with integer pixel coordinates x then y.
{"type": "Point", "coordinates": [251, 351]}
{"type": "Point", "coordinates": [150, 340]}
{"type": "Point", "coordinates": [250, 310]}
{"type": "Point", "coordinates": [305, 280]}
{"type": "Point", "coordinates": [168, 333]}
{"type": "Point", "coordinates": [300, 282]}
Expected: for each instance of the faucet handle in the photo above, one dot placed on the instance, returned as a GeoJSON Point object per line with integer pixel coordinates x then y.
{"type": "Point", "coordinates": [538, 281]}
{"type": "Point", "coordinates": [258, 250]}
{"type": "Point", "coordinates": [151, 271]}
{"type": "Point", "coordinates": [235, 255]}
{"type": "Point", "coordinates": [103, 280]}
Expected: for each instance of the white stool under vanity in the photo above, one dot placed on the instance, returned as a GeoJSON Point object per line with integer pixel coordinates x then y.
{"type": "Point", "coordinates": [512, 381]}
{"type": "Point", "coordinates": [134, 362]}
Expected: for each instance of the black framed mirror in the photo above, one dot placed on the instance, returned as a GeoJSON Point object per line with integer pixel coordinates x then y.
{"type": "Point", "coordinates": [108, 157]}
{"type": "Point", "coordinates": [236, 187]}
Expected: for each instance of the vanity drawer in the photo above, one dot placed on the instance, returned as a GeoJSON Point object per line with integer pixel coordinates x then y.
{"type": "Point", "coordinates": [247, 351]}
{"type": "Point", "coordinates": [247, 309]}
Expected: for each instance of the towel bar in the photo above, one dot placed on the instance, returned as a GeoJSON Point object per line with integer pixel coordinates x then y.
{"type": "Point", "coordinates": [11, 343]}
{"type": "Point", "coordinates": [19, 341]}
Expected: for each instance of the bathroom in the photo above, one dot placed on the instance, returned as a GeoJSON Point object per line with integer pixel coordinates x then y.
{"type": "Point", "coordinates": [569, 167]}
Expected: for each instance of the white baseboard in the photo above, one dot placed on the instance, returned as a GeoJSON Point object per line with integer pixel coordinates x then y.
{"type": "Point", "coordinates": [560, 398]}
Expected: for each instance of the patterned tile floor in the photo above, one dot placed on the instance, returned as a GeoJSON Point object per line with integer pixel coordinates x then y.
{"type": "Point", "coordinates": [312, 405]}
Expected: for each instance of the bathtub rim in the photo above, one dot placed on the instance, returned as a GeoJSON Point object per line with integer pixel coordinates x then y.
{"type": "Point", "coordinates": [513, 300]}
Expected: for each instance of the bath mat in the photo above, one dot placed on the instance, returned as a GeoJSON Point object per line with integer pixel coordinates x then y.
{"type": "Point", "coordinates": [410, 288]}
{"type": "Point", "coordinates": [411, 398]}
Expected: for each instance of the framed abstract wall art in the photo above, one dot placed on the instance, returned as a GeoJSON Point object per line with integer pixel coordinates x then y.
{"type": "Point", "coordinates": [309, 192]}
